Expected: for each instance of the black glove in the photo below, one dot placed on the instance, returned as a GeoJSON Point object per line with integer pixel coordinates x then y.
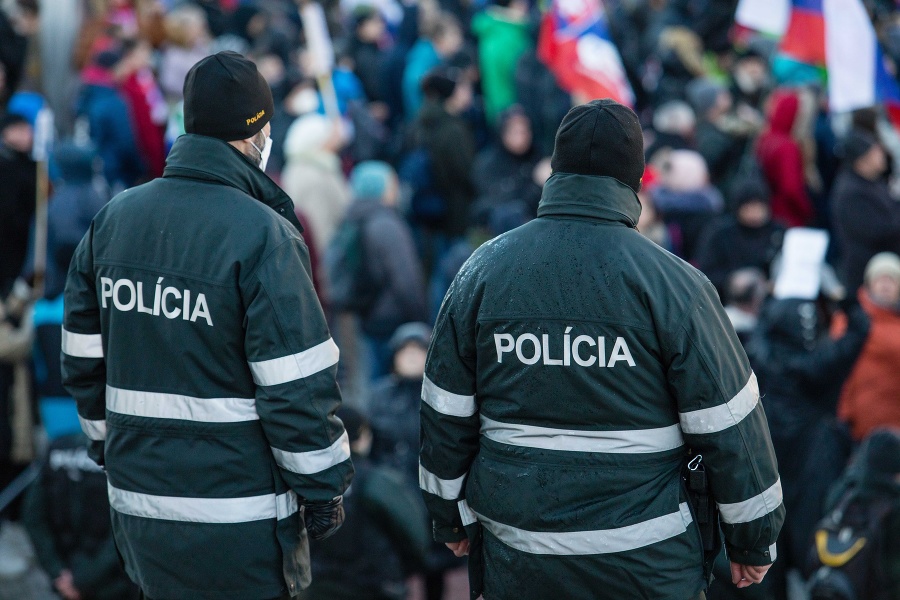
{"type": "Point", "coordinates": [324, 518]}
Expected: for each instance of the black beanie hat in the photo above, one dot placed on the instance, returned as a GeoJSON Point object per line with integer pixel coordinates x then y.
{"type": "Point", "coordinates": [751, 189]}
{"type": "Point", "coordinates": [603, 138]}
{"type": "Point", "coordinates": [226, 97]}
{"type": "Point", "coordinates": [856, 143]}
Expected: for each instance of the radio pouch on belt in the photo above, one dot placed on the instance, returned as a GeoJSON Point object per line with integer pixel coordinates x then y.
{"type": "Point", "coordinates": [703, 507]}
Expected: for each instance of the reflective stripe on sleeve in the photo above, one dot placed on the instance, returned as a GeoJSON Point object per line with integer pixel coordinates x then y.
{"type": "Point", "coordinates": [718, 418]}
{"type": "Point", "coordinates": [635, 441]}
{"type": "Point", "coordinates": [314, 461]}
{"type": "Point", "coordinates": [95, 430]}
{"type": "Point", "coordinates": [201, 510]}
{"type": "Point", "coordinates": [753, 508]}
{"type": "Point", "coordinates": [773, 552]}
{"type": "Point", "coordinates": [601, 541]}
{"type": "Point", "coordinates": [466, 514]}
{"type": "Point", "coordinates": [176, 406]}
{"type": "Point", "coordinates": [82, 345]}
{"type": "Point", "coordinates": [447, 403]}
{"type": "Point", "coordinates": [448, 489]}
{"type": "Point", "coordinates": [295, 366]}
{"type": "Point", "coordinates": [286, 505]}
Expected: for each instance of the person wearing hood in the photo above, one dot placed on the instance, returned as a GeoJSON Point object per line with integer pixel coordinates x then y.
{"type": "Point", "coordinates": [109, 121]}
{"type": "Point", "coordinates": [442, 39]}
{"type": "Point", "coordinates": [801, 370]}
{"type": "Point", "coordinates": [866, 217]}
{"type": "Point", "coordinates": [394, 412]}
{"type": "Point", "coordinates": [390, 262]}
{"type": "Point", "coordinates": [312, 174]}
{"type": "Point", "coordinates": [201, 363]}
{"type": "Point", "coordinates": [871, 395]}
{"type": "Point", "coordinates": [781, 160]}
{"type": "Point", "coordinates": [574, 363]}
{"type": "Point", "coordinates": [505, 172]}
{"type": "Point", "coordinates": [748, 238]}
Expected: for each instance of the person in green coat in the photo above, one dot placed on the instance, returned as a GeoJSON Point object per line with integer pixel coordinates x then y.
{"type": "Point", "coordinates": [503, 37]}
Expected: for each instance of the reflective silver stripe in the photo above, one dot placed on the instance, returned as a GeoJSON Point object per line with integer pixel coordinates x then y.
{"type": "Point", "coordinates": [448, 489]}
{"type": "Point", "coordinates": [286, 505]}
{"type": "Point", "coordinates": [295, 366]}
{"type": "Point", "coordinates": [175, 406]}
{"type": "Point", "coordinates": [634, 441]}
{"type": "Point", "coordinates": [82, 345]}
{"type": "Point", "coordinates": [753, 508]}
{"type": "Point", "coordinates": [314, 461]}
{"type": "Point", "coordinates": [717, 418]}
{"type": "Point", "coordinates": [773, 552]}
{"type": "Point", "coordinates": [601, 541]}
{"type": "Point", "coordinates": [465, 513]}
{"type": "Point", "coordinates": [95, 430]}
{"type": "Point", "coordinates": [447, 403]}
{"type": "Point", "coordinates": [201, 510]}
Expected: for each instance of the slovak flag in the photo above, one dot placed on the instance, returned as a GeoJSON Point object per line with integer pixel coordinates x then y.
{"type": "Point", "coordinates": [804, 40]}
{"type": "Point", "coordinates": [858, 76]}
{"type": "Point", "coordinates": [575, 45]}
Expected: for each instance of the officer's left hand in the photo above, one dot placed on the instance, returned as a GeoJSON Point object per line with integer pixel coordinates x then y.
{"type": "Point", "coordinates": [746, 575]}
{"type": "Point", "coordinates": [460, 548]}
{"type": "Point", "coordinates": [324, 518]}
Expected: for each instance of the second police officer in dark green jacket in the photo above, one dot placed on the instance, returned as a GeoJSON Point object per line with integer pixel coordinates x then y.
{"type": "Point", "coordinates": [201, 363]}
{"type": "Point", "coordinates": [573, 364]}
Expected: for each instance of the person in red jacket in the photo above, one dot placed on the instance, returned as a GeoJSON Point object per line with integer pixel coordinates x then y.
{"type": "Point", "coordinates": [781, 159]}
{"type": "Point", "coordinates": [871, 395]}
{"type": "Point", "coordinates": [146, 105]}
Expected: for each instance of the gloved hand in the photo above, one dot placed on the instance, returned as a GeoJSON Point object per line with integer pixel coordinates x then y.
{"type": "Point", "coordinates": [324, 518]}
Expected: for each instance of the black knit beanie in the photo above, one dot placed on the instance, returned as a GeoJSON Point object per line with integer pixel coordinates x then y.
{"type": "Point", "coordinates": [603, 138]}
{"type": "Point", "coordinates": [226, 97]}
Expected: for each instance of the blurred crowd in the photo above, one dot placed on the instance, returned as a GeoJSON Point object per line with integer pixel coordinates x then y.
{"type": "Point", "coordinates": [431, 135]}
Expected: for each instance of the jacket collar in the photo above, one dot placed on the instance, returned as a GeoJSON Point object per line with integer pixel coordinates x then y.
{"type": "Point", "coordinates": [210, 159]}
{"type": "Point", "coordinates": [603, 198]}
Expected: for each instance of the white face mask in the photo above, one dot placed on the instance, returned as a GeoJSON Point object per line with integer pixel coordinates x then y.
{"type": "Point", "coordinates": [264, 153]}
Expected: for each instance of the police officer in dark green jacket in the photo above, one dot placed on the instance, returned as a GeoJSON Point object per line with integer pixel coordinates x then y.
{"type": "Point", "coordinates": [204, 372]}
{"type": "Point", "coordinates": [574, 364]}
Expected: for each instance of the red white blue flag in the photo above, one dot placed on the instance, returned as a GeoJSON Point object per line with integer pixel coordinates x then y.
{"type": "Point", "coordinates": [576, 46]}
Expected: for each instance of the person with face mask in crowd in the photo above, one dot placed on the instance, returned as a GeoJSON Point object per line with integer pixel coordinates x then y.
{"type": "Point", "coordinates": [201, 363]}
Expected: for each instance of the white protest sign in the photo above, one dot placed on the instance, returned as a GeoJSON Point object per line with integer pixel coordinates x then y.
{"type": "Point", "coordinates": [802, 257]}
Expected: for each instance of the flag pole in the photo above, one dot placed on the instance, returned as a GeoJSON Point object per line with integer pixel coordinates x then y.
{"type": "Point", "coordinates": [43, 136]}
{"type": "Point", "coordinates": [321, 50]}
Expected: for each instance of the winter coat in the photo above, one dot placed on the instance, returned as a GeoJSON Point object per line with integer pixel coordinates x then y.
{"type": "Point", "coordinates": [394, 414]}
{"type": "Point", "coordinates": [368, 60]}
{"type": "Point", "coordinates": [721, 149]}
{"type": "Point", "coordinates": [501, 42]}
{"type": "Point", "coordinates": [384, 536]}
{"type": "Point", "coordinates": [728, 246]}
{"type": "Point", "coordinates": [781, 161]}
{"type": "Point", "coordinates": [112, 131]}
{"type": "Point", "coordinates": [312, 177]}
{"type": "Point", "coordinates": [18, 184]}
{"type": "Point", "coordinates": [572, 364]}
{"type": "Point", "coordinates": [866, 221]}
{"type": "Point", "coordinates": [148, 115]}
{"type": "Point", "coordinates": [690, 211]}
{"type": "Point", "coordinates": [501, 177]}
{"type": "Point", "coordinates": [422, 57]}
{"type": "Point", "coordinates": [204, 373]}
{"type": "Point", "coordinates": [871, 395]}
{"type": "Point", "coordinates": [451, 148]}
{"type": "Point", "coordinates": [393, 267]}
{"type": "Point", "coordinates": [801, 370]}
{"type": "Point", "coordinates": [66, 512]}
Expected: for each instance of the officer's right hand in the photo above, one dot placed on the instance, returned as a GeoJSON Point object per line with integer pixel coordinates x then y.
{"type": "Point", "coordinates": [460, 548]}
{"type": "Point", "coordinates": [746, 575]}
{"type": "Point", "coordinates": [324, 518]}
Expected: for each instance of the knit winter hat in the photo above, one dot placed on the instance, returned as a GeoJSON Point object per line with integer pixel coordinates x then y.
{"type": "Point", "coordinates": [856, 143]}
{"type": "Point", "coordinates": [751, 189]}
{"type": "Point", "coordinates": [369, 179]}
{"type": "Point", "coordinates": [226, 97]}
{"type": "Point", "coordinates": [883, 263]}
{"type": "Point", "coordinates": [602, 138]}
{"type": "Point", "coordinates": [703, 94]}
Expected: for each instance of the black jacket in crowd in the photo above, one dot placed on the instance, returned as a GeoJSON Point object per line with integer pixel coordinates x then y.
{"type": "Point", "coordinates": [727, 246]}
{"type": "Point", "coordinates": [866, 220]}
{"type": "Point", "coordinates": [392, 265]}
{"type": "Point", "coordinates": [502, 177]}
{"type": "Point", "coordinates": [18, 179]}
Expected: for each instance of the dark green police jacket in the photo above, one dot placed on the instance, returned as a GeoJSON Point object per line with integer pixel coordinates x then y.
{"type": "Point", "coordinates": [572, 365]}
{"type": "Point", "coordinates": [202, 366]}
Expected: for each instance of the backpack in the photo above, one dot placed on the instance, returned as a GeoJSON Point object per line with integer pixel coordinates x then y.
{"type": "Point", "coordinates": [847, 556]}
{"type": "Point", "coordinates": [427, 205]}
{"type": "Point", "coordinates": [351, 285]}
